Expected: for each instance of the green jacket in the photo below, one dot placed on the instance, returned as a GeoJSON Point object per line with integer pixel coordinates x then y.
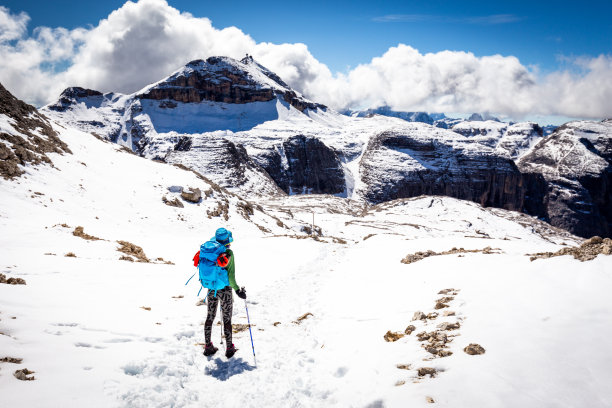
{"type": "Point", "coordinates": [231, 270]}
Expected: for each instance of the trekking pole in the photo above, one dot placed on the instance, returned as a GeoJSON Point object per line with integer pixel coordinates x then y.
{"type": "Point", "coordinates": [250, 333]}
{"type": "Point", "coordinates": [221, 321]}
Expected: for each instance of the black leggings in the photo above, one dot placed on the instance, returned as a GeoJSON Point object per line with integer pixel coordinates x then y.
{"type": "Point", "coordinates": [227, 303]}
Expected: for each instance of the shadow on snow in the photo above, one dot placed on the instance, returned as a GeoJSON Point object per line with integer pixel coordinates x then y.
{"type": "Point", "coordinates": [223, 370]}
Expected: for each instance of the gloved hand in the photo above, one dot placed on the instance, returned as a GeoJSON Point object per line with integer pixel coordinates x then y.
{"type": "Point", "coordinates": [241, 293]}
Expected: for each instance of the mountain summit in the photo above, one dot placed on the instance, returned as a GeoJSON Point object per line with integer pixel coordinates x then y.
{"type": "Point", "coordinates": [219, 93]}
{"type": "Point", "coordinates": [226, 80]}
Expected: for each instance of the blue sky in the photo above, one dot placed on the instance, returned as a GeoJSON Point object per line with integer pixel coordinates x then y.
{"type": "Point", "coordinates": [545, 61]}
{"type": "Point", "coordinates": [344, 34]}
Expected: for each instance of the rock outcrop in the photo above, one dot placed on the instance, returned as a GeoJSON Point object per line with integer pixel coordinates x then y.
{"type": "Point", "coordinates": [193, 195]}
{"type": "Point", "coordinates": [569, 178]}
{"type": "Point", "coordinates": [587, 251]}
{"type": "Point", "coordinates": [26, 136]}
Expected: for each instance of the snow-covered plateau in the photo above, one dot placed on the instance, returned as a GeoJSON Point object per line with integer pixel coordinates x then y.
{"type": "Point", "coordinates": [102, 241]}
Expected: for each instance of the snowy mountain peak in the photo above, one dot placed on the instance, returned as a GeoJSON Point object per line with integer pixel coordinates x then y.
{"type": "Point", "coordinates": [227, 80]}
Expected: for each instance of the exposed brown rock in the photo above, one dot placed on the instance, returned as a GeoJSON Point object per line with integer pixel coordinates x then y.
{"type": "Point", "coordinates": [418, 315]}
{"type": "Point", "coordinates": [433, 337]}
{"type": "Point", "coordinates": [11, 360]}
{"type": "Point", "coordinates": [404, 366]}
{"type": "Point", "coordinates": [172, 203]}
{"type": "Point", "coordinates": [440, 305]}
{"type": "Point", "coordinates": [587, 251]}
{"type": "Point", "coordinates": [393, 336]}
{"type": "Point", "coordinates": [133, 250]}
{"type": "Point", "coordinates": [221, 210]}
{"type": "Point", "coordinates": [70, 255]}
{"type": "Point", "coordinates": [417, 256]}
{"type": "Point", "coordinates": [448, 326]}
{"type": "Point", "coordinates": [147, 308]}
{"type": "Point", "coordinates": [431, 349]}
{"type": "Point", "coordinates": [193, 195]}
{"type": "Point", "coordinates": [246, 209]}
{"type": "Point", "coordinates": [238, 327]}
{"type": "Point", "coordinates": [400, 382]}
{"type": "Point", "coordinates": [36, 140]}
{"type": "Point", "coordinates": [429, 400]}
{"type": "Point", "coordinates": [126, 258]}
{"type": "Point", "coordinates": [79, 232]}
{"type": "Point", "coordinates": [432, 315]}
{"type": "Point", "coordinates": [430, 371]}
{"type": "Point", "coordinates": [23, 375]}
{"type": "Point", "coordinates": [448, 313]}
{"type": "Point", "coordinates": [276, 324]}
{"type": "Point", "coordinates": [11, 281]}
{"type": "Point", "coordinates": [474, 349]}
{"type": "Point", "coordinates": [303, 317]}
{"type": "Point", "coordinates": [409, 329]}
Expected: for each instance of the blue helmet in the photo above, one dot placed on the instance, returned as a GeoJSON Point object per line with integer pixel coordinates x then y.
{"type": "Point", "coordinates": [223, 236]}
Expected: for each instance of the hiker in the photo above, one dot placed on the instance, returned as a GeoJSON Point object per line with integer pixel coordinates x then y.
{"type": "Point", "coordinates": [225, 261]}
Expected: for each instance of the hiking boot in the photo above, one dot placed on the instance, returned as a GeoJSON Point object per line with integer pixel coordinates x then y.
{"type": "Point", "coordinates": [231, 350]}
{"type": "Point", "coordinates": [209, 349]}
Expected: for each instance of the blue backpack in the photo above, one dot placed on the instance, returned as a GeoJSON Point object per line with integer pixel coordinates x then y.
{"type": "Point", "coordinates": [212, 276]}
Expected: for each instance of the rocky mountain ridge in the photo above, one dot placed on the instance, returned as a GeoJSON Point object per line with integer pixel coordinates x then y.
{"type": "Point", "coordinates": [242, 126]}
{"type": "Point", "coordinates": [26, 136]}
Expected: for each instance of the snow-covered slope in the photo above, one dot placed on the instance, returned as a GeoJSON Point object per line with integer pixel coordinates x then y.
{"type": "Point", "coordinates": [511, 141]}
{"type": "Point", "coordinates": [100, 331]}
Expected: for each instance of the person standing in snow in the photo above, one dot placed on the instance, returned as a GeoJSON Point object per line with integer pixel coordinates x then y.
{"type": "Point", "coordinates": [225, 296]}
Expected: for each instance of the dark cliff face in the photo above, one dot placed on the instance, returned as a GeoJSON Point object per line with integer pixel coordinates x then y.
{"type": "Point", "coordinates": [221, 79]}
{"type": "Point", "coordinates": [34, 136]}
{"type": "Point", "coordinates": [70, 96]}
{"type": "Point", "coordinates": [575, 162]}
{"type": "Point", "coordinates": [311, 167]}
{"type": "Point", "coordinates": [398, 165]}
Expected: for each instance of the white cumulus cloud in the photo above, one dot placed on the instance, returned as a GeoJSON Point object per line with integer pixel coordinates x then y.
{"type": "Point", "coordinates": [145, 41]}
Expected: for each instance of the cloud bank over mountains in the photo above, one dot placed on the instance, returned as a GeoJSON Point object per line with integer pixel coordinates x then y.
{"type": "Point", "coordinates": [143, 42]}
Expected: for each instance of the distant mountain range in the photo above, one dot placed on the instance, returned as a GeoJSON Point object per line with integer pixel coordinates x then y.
{"type": "Point", "coordinates": [240, 125]}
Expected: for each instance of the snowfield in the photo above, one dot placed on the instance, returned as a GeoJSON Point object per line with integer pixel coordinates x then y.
{"type": "Point", "coordinates": [103, 332]}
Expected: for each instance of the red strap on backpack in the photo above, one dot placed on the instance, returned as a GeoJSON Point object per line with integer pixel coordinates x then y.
{"type": "Point", "coordinates": [196, 259]}
{"type": "Point", "coordinates": [223, 260]}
